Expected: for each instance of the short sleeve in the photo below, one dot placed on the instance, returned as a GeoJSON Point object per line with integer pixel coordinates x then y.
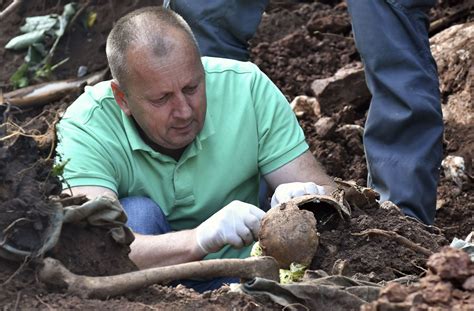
{"type": "Point", "coordinates": [280, 137]}
{"type": "Point", "coordinates": [90, 162]}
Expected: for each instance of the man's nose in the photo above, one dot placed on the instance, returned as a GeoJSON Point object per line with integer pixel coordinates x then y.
{"type": "Point", "coordinates": [182, 108]}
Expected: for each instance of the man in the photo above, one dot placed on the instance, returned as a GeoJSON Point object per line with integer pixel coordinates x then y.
{"type": "Point", "coordinates": [183, 142]}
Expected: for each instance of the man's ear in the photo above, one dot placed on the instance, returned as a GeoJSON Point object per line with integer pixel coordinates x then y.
{"type": "Point", "coordinates": [120, 98]}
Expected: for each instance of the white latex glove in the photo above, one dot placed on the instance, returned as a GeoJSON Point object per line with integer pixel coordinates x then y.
{"type": "Point", "coordinates": [285, 192]}
{"type": "Point", "coordinates": [236, 224]}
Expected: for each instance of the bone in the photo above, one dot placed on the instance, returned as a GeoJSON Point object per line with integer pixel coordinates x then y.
{"type": "Point", "coordinates": [54, 273]}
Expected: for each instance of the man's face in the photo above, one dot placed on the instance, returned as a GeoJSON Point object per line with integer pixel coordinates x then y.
{"type": "Point", "coordinates": [166, 96]}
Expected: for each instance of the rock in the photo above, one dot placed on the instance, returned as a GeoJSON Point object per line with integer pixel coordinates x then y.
{"type": "Point", "coordinates": [450, 264]}
{"type": "Point", "coordinates": [469, 284]}
{"type": "Point", "coordinates": [455, 170]}
{"type": "Point", "coordinates": [394, 292]}
{"type": "Point", "coordinates": [346, 87]}
{"type": "Point", "coordinates": [453, 50]}
{"type": "Point", "coordinates": [329, 23]}
{"type": "Point", "coordinates": [305, 105]}
{"type": "Point", "coordinates": [325, 127]}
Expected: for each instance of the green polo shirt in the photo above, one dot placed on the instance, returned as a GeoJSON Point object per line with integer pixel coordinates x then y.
{"type": "Point", "coordinates": [249, 131]}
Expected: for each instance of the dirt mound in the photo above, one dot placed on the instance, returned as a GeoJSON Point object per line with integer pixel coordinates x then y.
{"type": "Point", "coordinates": [376, 255]}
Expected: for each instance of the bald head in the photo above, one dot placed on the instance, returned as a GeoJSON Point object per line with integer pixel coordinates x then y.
{"type": "Point", "coordinates": [157, 29]}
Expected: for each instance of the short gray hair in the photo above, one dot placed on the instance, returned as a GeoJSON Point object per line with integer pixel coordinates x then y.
{"type": "Point", "coordinates": [148, 26]}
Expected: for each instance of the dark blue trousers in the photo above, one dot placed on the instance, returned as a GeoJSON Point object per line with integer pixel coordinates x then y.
{"type": "Point", "coordinates": [404, 128]}
{"type": "Point", "coordinates": [222, 27]}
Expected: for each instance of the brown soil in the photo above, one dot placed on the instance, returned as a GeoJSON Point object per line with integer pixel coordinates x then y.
{"type": "Point", "coordinates": [297, 43]}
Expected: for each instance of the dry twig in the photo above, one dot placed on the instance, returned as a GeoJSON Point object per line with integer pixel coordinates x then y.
{"type": "Point", "coordinates": [44, 303]}
{"type": "Point", "coordinates": [444, 22]}
{"type": "Point", "coordinates": [17, 302]}
{"type": "Point", "coordinates": [20, 268]}
{"type": "Point", "coordinates": [9, 9]}
{"type": "Point", "coordinates": [78, 13]}
{"type": "Point", "coordinates": [395, 236]}
{"type": "Point", "coordinates": [44, 93]}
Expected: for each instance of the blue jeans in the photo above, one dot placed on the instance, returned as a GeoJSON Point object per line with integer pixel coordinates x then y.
{"type": "Point", "coordinates": [222, 27]}
{"type": "Point", "coordinates": [146, 217]}
{"type": "Point", "coordinates": [404, 127]}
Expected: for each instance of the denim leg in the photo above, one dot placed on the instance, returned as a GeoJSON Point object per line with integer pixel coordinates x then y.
{"type": "Point", "coordinates": [403, 132]}
{"type": "Point", "coordinates": [146, 217]}
{"type": "Point", "coordinates": [222, 27]}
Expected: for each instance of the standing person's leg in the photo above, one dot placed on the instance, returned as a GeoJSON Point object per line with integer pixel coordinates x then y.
{"type": "Point", "coordinates": [403, 133]}
{"type": "Point", "coordinates": [146, 217]}
{"type": "Point", "coordinates": [222, 27]}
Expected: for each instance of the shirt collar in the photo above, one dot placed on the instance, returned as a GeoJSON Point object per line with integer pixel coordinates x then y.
{"type": "Point", "coordinates": [137, 143]}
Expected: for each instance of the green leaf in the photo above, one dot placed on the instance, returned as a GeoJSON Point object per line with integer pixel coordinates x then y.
{"type": "Point", "coordinates": [36, 53]}
{"type": "Point", "coordinates": [23, 41]}
{"type": "Point", "coordinates": [68, 12]}
{"type": "Point", "coordinates": [37, 23]}
{"type": "Point", "coordinates": [58, 169]}
{"type": "Point", "coordinates": [19, 79]}
{"type": "Point", "coordinates": [90, 20]}
{"type": "Point", "coordinates": [44, 71]}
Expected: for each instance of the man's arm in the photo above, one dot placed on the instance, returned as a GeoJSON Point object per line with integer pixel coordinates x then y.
{"type": "Point", "coordinates": [172, 248]}
{"type": "Point", "coordinates": [153, 250]}
{"type": "Point", "coordinates": [304, 168]}
{"type": "Point", "coordinates": [301, 176]}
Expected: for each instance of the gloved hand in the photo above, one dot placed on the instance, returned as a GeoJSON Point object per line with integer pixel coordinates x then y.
{"type": "Point", "coordinates": [236, 224]}
{"type": "Point", "coordinates": [285, 192]}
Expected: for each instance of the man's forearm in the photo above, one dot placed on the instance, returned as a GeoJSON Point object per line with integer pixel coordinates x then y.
{"type": "Point", "coordinates": [166, 249]}
{"type": "Point", "coordinates": [305, 168]}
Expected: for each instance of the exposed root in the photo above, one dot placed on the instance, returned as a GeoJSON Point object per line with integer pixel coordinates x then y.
{"type": "Point", "coordinates": [12, 131]}
{"type": "Point", "coordinates": [10, 9]}
{"type": "Point", "coordinates": [44, 303]}
{"type": "Point", "coordinates": [24, 263]}
{"type": "Point", "coordinates": [10, 226]}
{"type": "Point", "coordinates": [429, 228]}
{"type": "Point", "coordinates": [17, 301]}
{"type": "Point", "coordinates": [395, 236]}
{"type": "Point", "coordinates": [418, 267]}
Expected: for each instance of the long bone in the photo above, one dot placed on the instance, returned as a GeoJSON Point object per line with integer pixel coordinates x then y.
{"type": "Point", "coordinates": [54, 273]}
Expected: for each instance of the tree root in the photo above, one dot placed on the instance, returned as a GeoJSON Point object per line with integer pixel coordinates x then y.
{"type": "Point", "coordinates": [400, 239]}
{"type": "Point", "coordinates": [41, 94]}
{"type": "Point", "coordinates": [10, 9]}
{"type": "Point", "coordinates": [54, 273]}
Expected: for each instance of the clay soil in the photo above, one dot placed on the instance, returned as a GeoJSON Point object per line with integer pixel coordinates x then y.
{"type": "Point", "coordinates": [297, 42]}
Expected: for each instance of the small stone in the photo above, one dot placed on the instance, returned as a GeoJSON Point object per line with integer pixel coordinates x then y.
{"type": "Point", "coordinates": [469, 284]}
{"type": "Point", "coordinates": [325, 127]}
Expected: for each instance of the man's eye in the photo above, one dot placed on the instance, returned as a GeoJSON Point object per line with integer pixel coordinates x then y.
{"type": "Point", "coordinates": [190, 89]}
{"type": "Point", "coordinates": [160, 101]}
